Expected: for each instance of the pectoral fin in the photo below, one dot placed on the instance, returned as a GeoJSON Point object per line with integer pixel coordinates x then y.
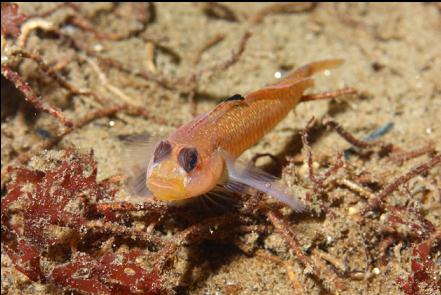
{"type": "Point", "coordinates": [137, 152]}
{"type": "Point", "coordinates": [241, 175]}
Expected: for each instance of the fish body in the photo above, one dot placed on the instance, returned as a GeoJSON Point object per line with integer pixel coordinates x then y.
{"type": "Point", "coordinates": [203, 153]}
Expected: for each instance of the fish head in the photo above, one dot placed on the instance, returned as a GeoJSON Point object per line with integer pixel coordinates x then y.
{"type": "Point", "coordinates": [181, 171]}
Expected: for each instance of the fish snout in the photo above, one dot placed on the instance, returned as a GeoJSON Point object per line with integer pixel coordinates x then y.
{"type": "Point", "coordinates": [167, 181]}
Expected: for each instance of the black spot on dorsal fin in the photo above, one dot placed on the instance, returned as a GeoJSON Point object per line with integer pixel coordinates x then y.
{"type": "Point", "coordinates": [233, 97]}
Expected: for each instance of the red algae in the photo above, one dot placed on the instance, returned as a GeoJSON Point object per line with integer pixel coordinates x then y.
{"type": "Point", "coordinates": [11, 19]}
{"type": "Point", "coordinates": [61, 198]}
{"type": "Point", "coordinates": [423, 278]}
{"type": "Point", "coordinates": [108, 275]}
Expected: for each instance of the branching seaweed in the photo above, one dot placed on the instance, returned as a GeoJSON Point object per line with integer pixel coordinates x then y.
{"type": "Point", "coordinates": [61, 198]}
{"type": "Point", "coordinates": [423, 278]}
{"type": "Point", "coordinates": [11, 19]}
{"type": "Point", "coordinates": [62, 227]}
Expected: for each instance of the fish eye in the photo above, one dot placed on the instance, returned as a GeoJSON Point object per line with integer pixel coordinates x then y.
{"type": "Point", "coordinates": [188, 158]}
{"type": "Point", "coordinates": [163, 150]}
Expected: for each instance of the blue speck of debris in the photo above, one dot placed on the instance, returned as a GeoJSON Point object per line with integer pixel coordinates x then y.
{"type": "Point", "coordinates": [371, 137]}
{"type": "Point", "coordinates": [43, 133]}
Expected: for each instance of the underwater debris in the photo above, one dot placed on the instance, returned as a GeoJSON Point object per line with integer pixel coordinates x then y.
{"type": "Point", "coordinates": [278, 8]}
{"type": "Point", "coordinates": [371, 137]}
{"type": "Point", "coordinates": [11, 22]}
{"type": "Point", "coordinates": [219, 11]}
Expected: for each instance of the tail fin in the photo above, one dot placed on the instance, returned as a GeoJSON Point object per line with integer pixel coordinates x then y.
{"type": "Point", "coordinates": [309, 70]}
{"type": "Point", "coordinates": [293, 85]}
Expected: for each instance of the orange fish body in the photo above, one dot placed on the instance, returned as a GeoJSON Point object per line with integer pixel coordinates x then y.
{"type": "Point", "coordinates": [202, 153]}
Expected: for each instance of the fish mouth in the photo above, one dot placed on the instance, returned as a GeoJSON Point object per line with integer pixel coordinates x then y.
{"type": "Point", "coordinates": [167, 189]}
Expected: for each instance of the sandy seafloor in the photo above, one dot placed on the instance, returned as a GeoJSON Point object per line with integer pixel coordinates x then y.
{"type": "Point", "coordinates": [392, 56]}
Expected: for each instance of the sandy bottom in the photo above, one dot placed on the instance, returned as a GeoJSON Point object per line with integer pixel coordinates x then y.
{"type": "Point", "coordinates": [392, 57]}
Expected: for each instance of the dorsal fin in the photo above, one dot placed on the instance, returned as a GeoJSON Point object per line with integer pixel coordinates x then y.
{"type": "Point", "coordinates": [281, 91]}
{"type": "Point", "coordinates": [225, 106]}
{"type": "Point", "coordinates": [219, 110]}
{"type": "Point", "coordinates": [233, 97]}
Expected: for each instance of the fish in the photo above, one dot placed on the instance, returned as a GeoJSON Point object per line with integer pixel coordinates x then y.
{"type": "Point", "coordinates": [204, 153]}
